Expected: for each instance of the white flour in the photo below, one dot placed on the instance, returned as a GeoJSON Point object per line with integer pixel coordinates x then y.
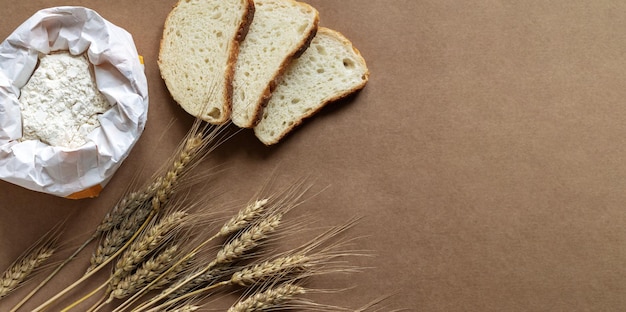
{"type": "Point", "coordinates": [60, 102]}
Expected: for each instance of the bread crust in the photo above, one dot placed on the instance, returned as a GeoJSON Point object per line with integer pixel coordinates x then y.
{"type": "Point", "coordinates": [267, 94]}
{"type": "Point", "coordinates": [240, 35]}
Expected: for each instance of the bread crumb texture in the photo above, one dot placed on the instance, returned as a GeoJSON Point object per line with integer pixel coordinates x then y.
{"type": "Point", "coordinates": [279, 29]}
{"type": "Point", "coordinates": [195, 55]}
{"type": "Point", "coordinates": [60, 103]}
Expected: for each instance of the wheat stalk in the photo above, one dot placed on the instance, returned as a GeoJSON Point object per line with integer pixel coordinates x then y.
{"type": "Point", "coordinates": [118, 223]}
{"type": "Point", "coordinates": [233, 250]}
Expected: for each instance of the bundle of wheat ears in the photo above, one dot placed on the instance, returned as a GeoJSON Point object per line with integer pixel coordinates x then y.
{"type": "Point", "coordinates": [162, 249]}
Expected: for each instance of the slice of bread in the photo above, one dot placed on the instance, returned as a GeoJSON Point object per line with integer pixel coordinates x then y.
{"type": "Point", "coordinates": [280, 30]}
{"type": "Point", "coordinates": [198, 51]}
{"type": "Point", "coordinates": [330, 69]}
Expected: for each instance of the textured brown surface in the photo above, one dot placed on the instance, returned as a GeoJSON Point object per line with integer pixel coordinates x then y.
{"type": "Point", "coordinates": [487, 152]}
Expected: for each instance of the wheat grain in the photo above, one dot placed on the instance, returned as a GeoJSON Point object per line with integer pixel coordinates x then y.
{"type": "Point", "coordinates": [21, 270]}
{"type": "Point", "coordinates": [268, 299]}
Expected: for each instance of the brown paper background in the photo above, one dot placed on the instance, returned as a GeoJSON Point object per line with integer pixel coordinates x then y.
{"type": "Point", "coordinates": [486, 154]}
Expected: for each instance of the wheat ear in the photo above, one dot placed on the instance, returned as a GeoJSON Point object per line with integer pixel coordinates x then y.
{"type": "Point", "coordinates": [189, 154]}
{"type": "Point", "coordinates": [125, 207]}
{"type": "Point", "coordinates": [29, 262]}
{"type": "Point", "coordinates": [147, 272]}
{"type": "Point", "coordinates": [244, 217]}
{"type": "Point", "coordinates": [248, 240]}
{"type": "Point", "coordinates": [231, 251]}
{"type": "Point", "coordinates": [147, 243]}
{"type": "Point", "coordinates": [21, 270]}
{"type": "Point", "coordinates": [270, 269]}
{"type": "Point", "coordinates": [208, 277]}
{"type": "Point", "coordinates": [115, 239]}
{"type": "Point", "coordinates": [268, 299]}
{"type": "Point", "coordinates": [121, 211]}
{"type": "Point", "coordinates": [312, 258]}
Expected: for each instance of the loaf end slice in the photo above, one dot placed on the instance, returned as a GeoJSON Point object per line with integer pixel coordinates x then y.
{"type": "Point", "coordinates": [331, 68]}
{"type": "Point", "coordinates": [198, 52]}
{"type": "Point", "coordinates": [281, 29]}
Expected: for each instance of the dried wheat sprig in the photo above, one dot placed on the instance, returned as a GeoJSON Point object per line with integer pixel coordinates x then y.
{"type": "Point", "coordinates": [135, 250]}
{"type": "Point", "coordinates": [147, 243]}
{"type": "Point", "coordinates": [268, 299]}
{"type": "Point", "coordinates": [21, 270]}
{"type": "Point", "coordinates": [123, 220]}
{"type": "Point", "coordinates": [250, 237]}
{"type": "Point", "coordinates": [199, 223]}
{"type": "Point", "coordinates": [169, 275]}
{"type": "Point", "coordinates": [160, 186]}
{"type": "Point", "coordinates": [312, 258]}
{"type": "Point", "coordinates": [190, 152]}
{"type": "Point", "coordinates": [157, 194]}
{"type": "Point", "coordinates": [173, 273]}
{"type": "Point", "coordinates": [125, 207]}
{"type": "Point", "coordinates": [67, 289]}
{"type": "Point", "coordinates": [245, 216]}
{"type": "Point", "coordinates": [166, 183]}
{"type": "Point", "coordinates": [199, 279]}
{"type": "Point", "coordinates": [248, 240]}
{"type": "Point", "coordinates": [208, 278]}
{"type": "Point", "coordinates": [271, 269]}
{"type": "Point", "coordinates": [115, 239]}
{"type": "Point", "coordinates": [256, 230]}
{"type": "Point", "coordinates": [30, 261]}
{"type": "Point", "coordinates": [177, 265]}
{"type": "Point", "coordinates": [148, 271]}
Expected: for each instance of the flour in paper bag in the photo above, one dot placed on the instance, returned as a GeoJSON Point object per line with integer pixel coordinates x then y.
{"type": "Point", "coordinates": [61, 102]}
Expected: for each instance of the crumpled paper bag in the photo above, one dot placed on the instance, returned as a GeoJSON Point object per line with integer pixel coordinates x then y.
{"type": "Point", "coordinates": [119, 74]}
